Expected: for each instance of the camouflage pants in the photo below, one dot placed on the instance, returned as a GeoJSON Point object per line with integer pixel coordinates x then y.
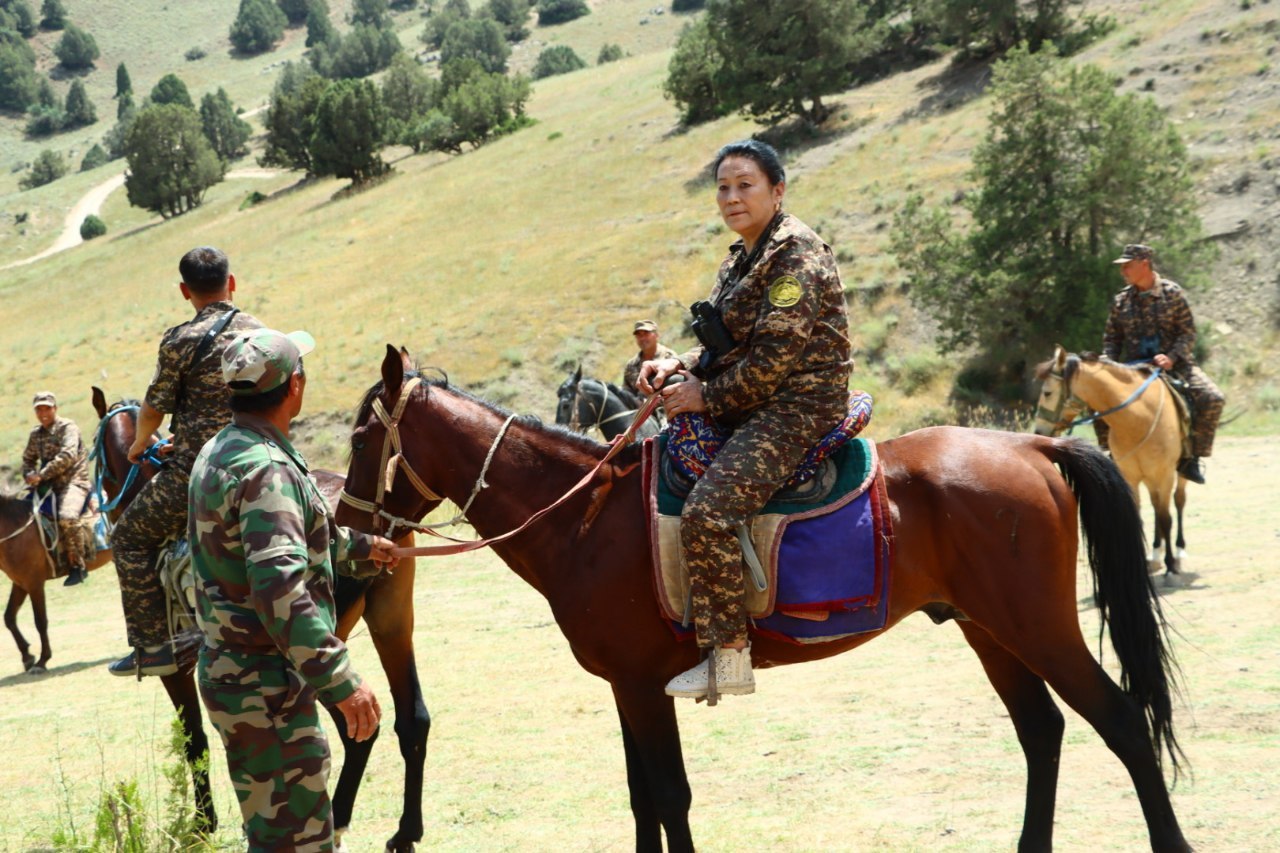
{"type": "Point", "coordinates": [1206, 409]}
{"type": "Point", "coordinates": [158, 512]}
{"type": "Point", "coordinates": [277, 753]}
{"type": "Point", "coordinates": [71, 501]}
{"type": "Point", "coordinates": [756, 459]}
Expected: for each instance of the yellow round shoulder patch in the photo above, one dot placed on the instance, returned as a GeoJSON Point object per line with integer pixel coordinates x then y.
{"type": "Point", "coordinates": [784, 292]}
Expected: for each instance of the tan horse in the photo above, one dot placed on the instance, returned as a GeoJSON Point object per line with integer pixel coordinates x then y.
{"type": "Point", "coordinates": [24, 559]}
{"type": "Point", "coordinates": [1146, 432]}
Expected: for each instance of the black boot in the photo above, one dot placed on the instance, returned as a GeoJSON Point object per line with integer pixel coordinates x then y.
{"type": "Point", "coordinates": [78, 574]}
{"type": "Point", "coordinates": [1191, 469]}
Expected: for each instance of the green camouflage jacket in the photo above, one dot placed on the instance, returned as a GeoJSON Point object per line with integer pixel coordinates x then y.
{"type": "Point", "coordinates": [631, 372]}
{"type": "Point", "coordinates": [1143, 324]}
{"type": "Point", "coordinates": [264, 546]}
{"type": "Point", "coordinates": [787, 316]}
{"type": "Point", "coordinates": [57, 454]}
{"type": "Point", "coordinates": [194, 394]}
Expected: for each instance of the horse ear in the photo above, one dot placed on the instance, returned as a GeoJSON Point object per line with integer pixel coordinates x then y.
{"type": "Point", "coordinates": [99, 402]}
{"type": "Point", "coordinates": [392, 373]}
{"type": "Point", "coordinates": [577, 376]}
{"type": "Point", "coordinates": [405, 360]}
{"type": "Point", "coordinates": [1059, 355]}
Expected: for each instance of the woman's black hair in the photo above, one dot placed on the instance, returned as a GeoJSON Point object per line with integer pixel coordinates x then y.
{"type": "Point", "coordinates": [762, 153]}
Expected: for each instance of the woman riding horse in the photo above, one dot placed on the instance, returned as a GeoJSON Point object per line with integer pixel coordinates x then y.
{"type": "Point", "coordinates": [774, 368]}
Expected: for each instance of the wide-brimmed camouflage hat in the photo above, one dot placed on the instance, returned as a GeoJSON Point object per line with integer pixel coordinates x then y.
{"type": "Point", "coordinates": [1135, 252]}
{"type": "Point", "coordinates": [262, 360]}
{"type": "Point", "coordinates": [645, 326]}
{"type": "Point", "coordinates": [44, 398]}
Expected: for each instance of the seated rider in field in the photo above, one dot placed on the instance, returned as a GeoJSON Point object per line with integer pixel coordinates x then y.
{"type": "Point", "coordinates": [55, 457]}
{"type": "Point", "coordinates": [188, 385]}
{"type": "Point", "coordinates": [1151, 321]}
{"type": "Point", "coordinates": [646, 335]}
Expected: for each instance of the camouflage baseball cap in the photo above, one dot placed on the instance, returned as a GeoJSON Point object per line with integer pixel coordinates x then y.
{"type": "Point", "coordinates": [1135, 252]}
{"type": "Point", "coordinates": [262, 360]}
{"type": "Point", "coordinates": [645, 326]}
{"type": "Point", "coordinates": [44, 398]}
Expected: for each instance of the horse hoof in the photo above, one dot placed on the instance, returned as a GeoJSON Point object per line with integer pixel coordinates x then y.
{"type": "Point", "coordinates": [394, 846]}
{"type": "Point", "coordinates": [37, 669]}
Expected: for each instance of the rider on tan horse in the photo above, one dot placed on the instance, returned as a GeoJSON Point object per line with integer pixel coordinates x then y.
{"type": "Point", "coordinates": [1151, 321]}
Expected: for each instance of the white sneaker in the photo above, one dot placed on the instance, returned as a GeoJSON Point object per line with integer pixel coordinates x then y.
{"type": "Point", "coordinates": [733, 676]}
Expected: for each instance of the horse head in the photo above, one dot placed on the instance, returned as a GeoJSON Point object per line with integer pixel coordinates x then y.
{"type": "Point", "coordinates": [1058, 406]}
{"type": "Point", "coordinates": [117, 426]}
{"type": "Point", "coordinates": [375, 496]}
{"type": "Point", "coordinates": [567, 399]}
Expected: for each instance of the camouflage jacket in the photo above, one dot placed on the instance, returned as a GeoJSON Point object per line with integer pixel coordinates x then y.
{"type": "Point", "coordinates": [631, 372]}
{"type": "Point", "coordinates": [57, 454]}
{"type": "Point", "coordinates": [1144, 324]}
{"type": "Point", "coordinates": [194, 394]}
{"type": "Point", "coordinates": [264, 546]}
{"type": "Point", "coordinates": [787, 316]}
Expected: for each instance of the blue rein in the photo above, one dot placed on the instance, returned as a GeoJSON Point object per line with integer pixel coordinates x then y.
{"type": "Point", "coordinates": [1088, 419]}
{"type": "Point", "coordinates": [99, 457]}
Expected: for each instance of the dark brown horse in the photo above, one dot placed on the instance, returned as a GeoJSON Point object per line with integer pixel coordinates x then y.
{"type": "Point", "coordinates": [385, 603]}
{"type": "Point", "coordinates": [24, 559]}
{"type": "Point", "coordinates": [985, 533]}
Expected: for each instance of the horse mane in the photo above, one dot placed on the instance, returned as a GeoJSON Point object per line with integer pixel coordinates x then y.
{"type": "Point", "coordinates": [14, 509]}
{"type": "Point", "coordinates": [125, 401]}
{"type": "Point", "coordinates": [531, 422]}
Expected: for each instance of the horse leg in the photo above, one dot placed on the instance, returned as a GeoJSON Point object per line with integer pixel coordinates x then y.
{"type": "Point", "coordinates": [1039, 725]}
{"type": "Point", "coordinates": [656, 775]}
{"type": "Point", "coordinates": [1057, 653]}
{"type": "Point", "coordinates": [413, 722]}
{"type": "Point", "coordinates": [181, 687]}
{"type": "Point", "coordinates": [17, 596]}
{"type": "Point", "coordinates": [1180, 501]}
{"type": "Point", "coordinates": [1164, 528]}
{"type": "Point", "coordinates": [42, 626]}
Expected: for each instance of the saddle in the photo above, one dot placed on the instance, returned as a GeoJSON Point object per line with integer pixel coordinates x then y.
{"type": "Point", "coordinates": [92, 530]}
{"type": "Point", "coordinates": [816, 558]}
{"type": "Point", "coordinates": [1186, 412]}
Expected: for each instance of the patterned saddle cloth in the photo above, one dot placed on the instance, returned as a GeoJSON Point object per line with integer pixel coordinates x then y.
{"type": "Point", "coordinates": [824, 553]}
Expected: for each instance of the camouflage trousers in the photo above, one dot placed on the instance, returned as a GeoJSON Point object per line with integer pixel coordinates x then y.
{"type": "Point", "coordinates": [755, 460]}
{"type": "Point", "coordinates": [71, 503]}
{"type": "Point", "coordinates": [1207, 402]}
{"type": "Point", "coordinates": [277, 753]}
{"type": "Point", "coordinates": [158, 512]}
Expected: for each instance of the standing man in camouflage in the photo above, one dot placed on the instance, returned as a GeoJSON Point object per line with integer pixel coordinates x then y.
{"type": "Point", "coordinates": [187, 385]}
{"type": "Point", "coordinates": [1151, 321]}
{"type": "Point", "coordinates": [646, 335]}
{"type": "Point", "coordinates": [264, 548]}
{"type": "Point", "coordinates": [774, 368]}
{"type": "Point", "coordinates": [55, 457]}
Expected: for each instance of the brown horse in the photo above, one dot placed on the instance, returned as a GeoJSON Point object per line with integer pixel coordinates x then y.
{"type": "Point", "coordinates": [985, 533]}
{"type": "Point", "coordinates": [1146, 433]}
{"type": "Point", "coordinates": [385, 603]}
{"type": "Point", "coordinates": [24, 559]}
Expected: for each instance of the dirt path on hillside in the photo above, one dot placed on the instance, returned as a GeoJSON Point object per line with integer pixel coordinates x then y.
{"type": "Point", "coordinates": [90, 204]}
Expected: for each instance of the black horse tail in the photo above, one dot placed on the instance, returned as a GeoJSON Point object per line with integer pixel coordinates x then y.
{"type": "Point", "coordinates": [1122, 589]}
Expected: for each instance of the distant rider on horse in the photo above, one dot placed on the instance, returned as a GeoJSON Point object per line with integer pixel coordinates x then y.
{"type": "Point", "coordinates": [55, 456]}
{"type": "Point", "coordinates": [1151, 321]}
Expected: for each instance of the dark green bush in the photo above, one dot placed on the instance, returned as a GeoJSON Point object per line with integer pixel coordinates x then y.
{"type": "Point", "coordinates": [92, 227]}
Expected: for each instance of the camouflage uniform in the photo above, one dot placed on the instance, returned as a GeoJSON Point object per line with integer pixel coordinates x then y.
{"type": "Point", "coordinates": [58, 456]}
{"type": "Point", "coordinates": [264, 547]}
{"type": "Point", "coordinates": [631, 373]}
{"type": "Point", "coordinates": [194, 394]}
{"type": "Point", "coordinates": [1145, 323]}
{"type": "Point", "coordinates": [784, 386]}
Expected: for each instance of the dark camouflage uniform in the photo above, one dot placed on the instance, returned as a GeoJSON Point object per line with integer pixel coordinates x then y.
{"type": "Point", "coordinates": [631, 372]}
{"type": "Point", "coordinates": [58, 456]}
{"type": "Point", "coordinates": [264, 547]}
{"type": "Point", "coordinates": [784, 386]}
{"type": "Point", "coordinates": [1161, 318]}
{"type": "Point", "coordinates": [196, 397]}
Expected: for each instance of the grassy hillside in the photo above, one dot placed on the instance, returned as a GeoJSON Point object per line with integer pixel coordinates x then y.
{"type": "Point", "coordinates": [508, 264]}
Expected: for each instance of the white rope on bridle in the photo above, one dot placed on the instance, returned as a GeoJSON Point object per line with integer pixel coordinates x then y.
{"type": "Point", "coordinates": [596, 411]}
{"type": "Point", "coordinates": [391, 463]}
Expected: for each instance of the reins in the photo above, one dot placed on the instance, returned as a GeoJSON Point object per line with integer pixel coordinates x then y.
{"type": "Point", "coordinates": [596, 411]}
{"type": "Point", "coordinates": [390, 464]}
{"type": "Point", "coordinates": [1088, 419]}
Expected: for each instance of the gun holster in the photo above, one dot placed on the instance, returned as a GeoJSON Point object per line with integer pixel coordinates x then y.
{"type": "Point", "coordinates": [710, 329]}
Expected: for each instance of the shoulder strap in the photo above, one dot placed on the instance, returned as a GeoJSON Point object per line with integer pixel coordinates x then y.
{"type": "Point", "coordinates": [203, 347]}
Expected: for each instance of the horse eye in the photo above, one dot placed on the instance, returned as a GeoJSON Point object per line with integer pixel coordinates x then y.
{"type": "Point", "coordinates": [357, 445]}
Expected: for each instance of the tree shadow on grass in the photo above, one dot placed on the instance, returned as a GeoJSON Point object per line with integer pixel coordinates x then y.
{"type": "Point", "coordinates": [959, 83]}
{"type": "Point", "coordinates": [25, 678]}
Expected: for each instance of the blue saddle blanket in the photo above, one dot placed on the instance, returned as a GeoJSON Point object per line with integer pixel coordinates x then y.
{"type": "Point", "coordinates": [826, 560]}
